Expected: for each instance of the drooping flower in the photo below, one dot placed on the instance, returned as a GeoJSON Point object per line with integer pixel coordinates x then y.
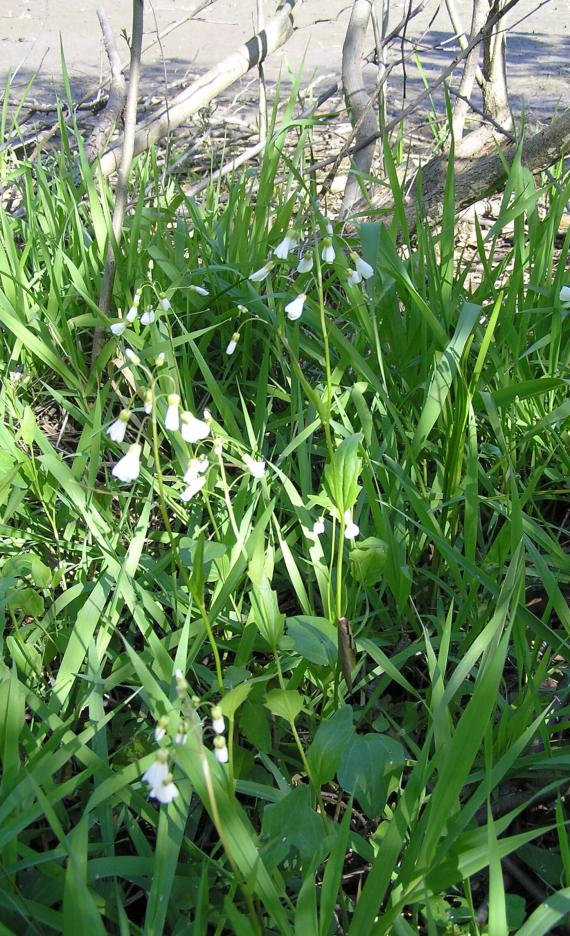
{"type": "Point", "coordinates": [221, 749]}
{"type": "Point", "coordinates": [232, 344]}
{"type": "Point", "coordinates": [194, 485]}
{"type": "Point", "coordinates": [255, 468]}
{"type": "Point", "coordinates": [193, 429]}
{"type": "Point", "coordinates": [132, 356]}
{"type": "Point", "coordinates": [164, 303]}
{"type": "Point", "coordinates": [117, 328]}
{"type": "Point", "coordinates": [181, 684]}
{"type": "Point", "coordinates": [196, 467]}
{"type": "Point", "coordinates": [201, 290]}
{"type": "Point", "coordinates": [294, 309]}
{"type": "Point", "coordinates": [172, 420]}
{"type": "Point", "coordinates": [319, 526]}
{"type": "Point", "coordinates": [160, 359]}
{"type": "Point", "coordinates": [166, 791]}
{"type": "Point", "coordinates": [182, 733]}
{"type": "Point", "coordinates": [351, 529]}
{"type": "Point", "coordinates": [329, 229]}
{"type": "Point", "coordinates": [262, 273]}
{"type": "Point", "coordinates": [117, 430]}
{"type": "Point", "coordinates": [565, 295]}
{"type": "Point", "coordinates": [148, 401]}
{"type": "Point", "coordinates": [147, 318]}
{"type": "Point", "coordinates": [160, 728]}
{"type": "Point", "coordinates": [354, 277]}
{"type": "Point", "coordinates": [305, 264]}
{"type": "Point", "coordinates": [218, 723]}
{"type": "Point", "coordinates": [158, 770]}
{"type": "Point", "coordinates": [328, 254]}
{"type": "Point", "coordinates": [362, 267]}
{"type": "Point", "coordinates": [283, 248]}
{"type": "Point", "coordinates": [132, 313]}
{"type": "Point", "coordinates": [128, 467]}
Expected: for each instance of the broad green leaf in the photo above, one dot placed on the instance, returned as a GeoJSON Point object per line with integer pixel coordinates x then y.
{"type": "Point", "coordinates": [285, 703]}
{"type": "Point", "coordinates": [329, 745]}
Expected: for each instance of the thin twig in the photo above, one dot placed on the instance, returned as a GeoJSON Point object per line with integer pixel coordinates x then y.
{"type": "Point", "coordinates": [117, 92]}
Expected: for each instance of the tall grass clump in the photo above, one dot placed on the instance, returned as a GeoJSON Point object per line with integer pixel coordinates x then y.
{"type": "Point", "coordinates": [284, 577]}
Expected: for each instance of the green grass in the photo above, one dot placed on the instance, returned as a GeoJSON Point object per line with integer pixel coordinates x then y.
{"type": "Point", "coordinates": [386, 774]}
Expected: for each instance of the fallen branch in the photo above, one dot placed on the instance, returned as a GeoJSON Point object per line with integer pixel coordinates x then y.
{"type": "Point", "coordinates": [117, 93]}
{"type": "Point", "coordinates": [476, 178]}
{"type": "Point", "coordinates": [209, 85]}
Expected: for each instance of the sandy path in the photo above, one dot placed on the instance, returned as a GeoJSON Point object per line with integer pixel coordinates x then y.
{"type": "Point", "coordinates": [539, 46]}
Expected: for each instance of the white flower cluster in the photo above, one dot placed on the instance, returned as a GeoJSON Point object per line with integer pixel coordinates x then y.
{"type": "Point", "coordinates": [294, 309]}
{"type": "Point", "coordinates": [351, 529]}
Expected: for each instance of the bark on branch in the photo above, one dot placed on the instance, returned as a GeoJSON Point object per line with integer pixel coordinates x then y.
{"type": "Point", "coordinates": [117, 92]}
{"type": "Point", "coordinates": [208, 86]}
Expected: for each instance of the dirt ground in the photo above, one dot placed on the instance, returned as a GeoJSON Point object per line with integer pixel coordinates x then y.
{"type": "Point", "coordinates": [30, 33]}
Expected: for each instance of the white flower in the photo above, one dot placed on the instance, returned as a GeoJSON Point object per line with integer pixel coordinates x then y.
{"type": "Point", "coordinates": [194, 485]}
{"type": "Point", "coordinates": [132, 356]}
{"type": "Point", "coordinates": [565, 295]}
{"type": "Point", "coordinates": [166, 791]}
{"type": "Point", "coordinates": [221, 749]}
{"type": "Point", "coordinates": [319, 526]}
{"type": "Point", "coordinates": [193, 429]}
{"type": "Point", "coordinates": [117, 430]}
{"type": "Point", "coordinates": [196, 466]}
{"type": "Point", "coordinates": [232, 344]}
{"type": "Point", "coordinates": [329, 229]}
{"type": "Point", "coordinates": [354, 277]}
{"type": "Point", "coordinates": [328, 253]}
{"type": "Point", "coordinates": [255, 468]}
{"type": "Point", "coordinates": [200, 290]}
{"type": "Point", "coordinates": [164, 304]}
{"type": "Point", "coordinates": [283, 248]}
{"type": "Point", "coordinates": [263, 273]}
{"type": "Point", "coordinates": [158, 770]}
{"type": "Point", "coordinates": [129, 466]}
{"type": "Point", "coordinates": [148, 401]}
{"type": "Point", "coordinates": [362, 266]}
{"type": "Point", "coordinates": [172, 419]}
{"type": "Point", "coordinates": [118, 328]}
{"type": "Point", "coordinates": [351, 530]}
{"type": "Point", "coordinates": [132, 313]}
{"type": "Point", "coordinates": [147, 318]}
{"type": "Point", "coordinates": [182, 733]}
{"type": "Point", "coordinates": [218, 723]}
{"type": "Point", "coordinates": [294, 309]}
{"type": "Point", "coordinates": [160, 359]}
{"type": "Point", "coordinates": [305, 265]}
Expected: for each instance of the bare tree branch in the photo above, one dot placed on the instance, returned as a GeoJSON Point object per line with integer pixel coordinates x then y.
{"type": "Point", "coordinates": [117, 92]}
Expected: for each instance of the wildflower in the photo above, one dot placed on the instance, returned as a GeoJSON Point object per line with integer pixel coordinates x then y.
{"type": "Point", "coordinates": [255, 468]}
{"type": "Point", "coordinates": [193, 429]}
{"type": "Point", "coordinates": [200, 290]}
{"type": "Point", "coordinates": [329, 229]}
{"type": "Point", "coordinates": [160, 359]}
{"type": "Point", "coordinates": [165, 791]}
{"type": "Point", "coordinates": [565, 295]}
{"type": "Point", "coordinates": [218, 723]}
{"type": "Point", "coordinates": [182, 733]}
{"type": "Point", "coordinates": [158, 770]}
{"type": "Point", "coordinates": [147, 318]}
{"type": "Point", "coordinates": [232, 344]}
{"type": "Point", "coordinates": [354, 277]}
{"type": "Point", "coordinates": [328, 253]}
{"type": "Point", "coordinates": [132, 356]}
{"type": "Point", "coordinates": [172, 419]}
{"type": "Point", "coordinates": [263, 273]}
{"type": "Point", "coordinates": [132, 313]}
{"type": "Point", "coordinates": [319, 526]}
{"type": "Point", "coordinates": [361, 265]}
{"type": "Point", "coordinates": [117, 430]}
{"type": "Point", "coordinates": [196, 466]}
{"type": "Point", "coordinates": [148, 401]}
{"type": "Point", "coordinates": [305, 265]}
{"type": "Point", "coordinates": [294, 309]}
{"type": "Point", "coordinates": [194, 486]}
{"type": "Point", "coordinates": [221, 749]}
{"type": "Point", "coordinates": [351, 530]}
{"type": "Point", "coordinates": [181, 684]}
{"type": "Point", "coordinates": [283, 248]}
{"type": "Point", "coordinates": [164, 304]}
{"type": "Point", "coordinates": [129, 466]}
{"type": "Point", "coordinates": [160, 728]}
{"type": "Point", "coordinates": [118, 328]}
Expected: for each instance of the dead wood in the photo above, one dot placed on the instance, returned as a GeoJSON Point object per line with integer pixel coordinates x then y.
{"type": "Point", "coordinates": [117, 93]}
{"type": "Point", "coordinates": [202, 91]}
